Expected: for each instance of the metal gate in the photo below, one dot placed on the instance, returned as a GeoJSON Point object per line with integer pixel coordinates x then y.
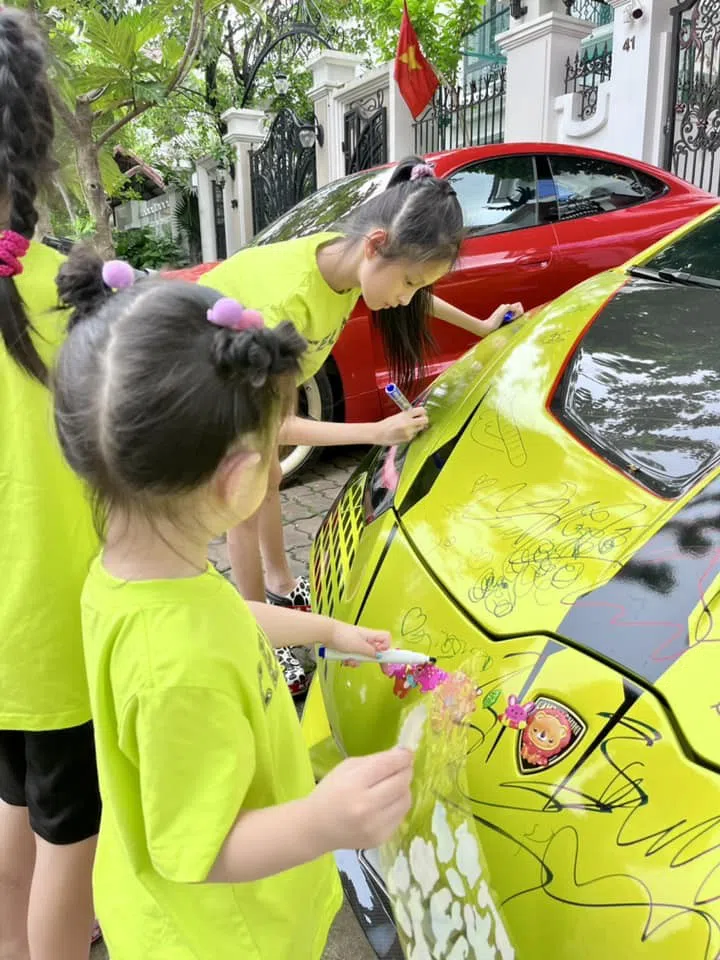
{"type": "Point", "coordinates": [365, 140]}
{"type": "Point", "coordinates": [692, 121]}
{"type": "Point", "coordinates": [219, 220]}
{"type": "Point", "coordinates": [282, 171]}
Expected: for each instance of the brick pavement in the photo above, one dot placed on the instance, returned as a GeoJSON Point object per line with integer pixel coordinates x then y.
{"type": "Point", "coordinates": [305, 503]}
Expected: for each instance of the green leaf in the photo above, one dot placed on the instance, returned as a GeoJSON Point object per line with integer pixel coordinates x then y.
{"type": "Point", "coordinates": [491, 699]}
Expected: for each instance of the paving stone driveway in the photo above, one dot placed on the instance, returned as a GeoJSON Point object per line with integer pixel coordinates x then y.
{"type": "Point", "coordinates": [304, 506]}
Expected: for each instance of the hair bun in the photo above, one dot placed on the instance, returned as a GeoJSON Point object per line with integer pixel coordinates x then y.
{"type": "Point", "coordinates": [80, 283]}
{"type": "Point", "coordinates": [257, 353]}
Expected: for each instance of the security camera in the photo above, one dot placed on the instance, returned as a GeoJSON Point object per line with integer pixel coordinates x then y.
{"type": "Point", "coordinates": [637, 11]}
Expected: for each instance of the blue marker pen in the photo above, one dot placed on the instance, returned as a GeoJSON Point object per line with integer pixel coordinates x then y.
{"type": "Point", "coordinates": [398, 397]}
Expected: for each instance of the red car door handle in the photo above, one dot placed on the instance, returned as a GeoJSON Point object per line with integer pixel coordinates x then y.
{"type": "Point", "coordinates": [536, 260]}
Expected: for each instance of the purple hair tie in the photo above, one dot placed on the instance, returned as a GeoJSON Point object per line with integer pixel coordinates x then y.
{"type": "Point", "coordinates": [421, 170]}
{"type": "Point", "coordinates": [117, 274]}
{"type": "Point", "coordinates": [226, 312]}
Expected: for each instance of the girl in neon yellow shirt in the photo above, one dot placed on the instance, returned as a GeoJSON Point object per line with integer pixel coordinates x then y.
{"type": "Point", "coordinates": [390, 251]}
{"type": "Point", "coordinates": [214, 840]}
{"type": "Point", "coordinates": [49, 800]}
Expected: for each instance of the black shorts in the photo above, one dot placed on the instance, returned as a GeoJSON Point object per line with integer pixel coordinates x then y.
{"type": "Point", "coordinates": [53, 773]}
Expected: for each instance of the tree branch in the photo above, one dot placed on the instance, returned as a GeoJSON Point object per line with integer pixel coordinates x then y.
{"type": "Point", "coordinates": [63, 110]}
{"type": "Point", "coordinates": [119, 124]}
{"type": "Point", "coordinates": [195, 35]}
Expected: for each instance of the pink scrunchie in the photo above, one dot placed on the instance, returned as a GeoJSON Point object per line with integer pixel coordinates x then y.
{"type": "Point", "coordinates": [13, 246]}
{"type": "Point", "coordinates": [421, 171]}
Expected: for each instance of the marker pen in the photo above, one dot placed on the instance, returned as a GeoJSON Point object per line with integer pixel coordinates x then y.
{"type": "Point", "coordinates": [398, 397]}
{"type": "Point", "coordinates": [408, 657]}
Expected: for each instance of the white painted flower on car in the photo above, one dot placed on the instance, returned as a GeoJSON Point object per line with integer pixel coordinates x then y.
{"type": "Point", "coordinates": [445, 919]}
{"type": "Point", "coordinates": [423, 866]}
{"type": "Point", "coordinates": [502, 941]}
{"type": "Point", "coordinates": [460, 950]}
{"type": "Point", "coordinates": [455, 881]}
{"type": "Point", "coordinates": [467, 855]}
{"type": "Point", "coordinates": [399, 875]}
{"type": "Point", "coordinates": [478, 929]}
{"type": "Point", "coordinates": [416, 908]}
{"type": "Point", "coordinates": [442, 832]}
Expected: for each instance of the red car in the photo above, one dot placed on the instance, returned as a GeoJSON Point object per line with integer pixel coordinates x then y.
{"type": "Point", "coordinates": [540, 219]}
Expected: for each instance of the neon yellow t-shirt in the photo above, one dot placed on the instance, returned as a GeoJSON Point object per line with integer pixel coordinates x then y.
{"type": "Point", "coordinates": [193, 723]}
{"type": "Point", "coordinates": [47, 533]}
{"type": "Point", "coordinates": [283, 281]}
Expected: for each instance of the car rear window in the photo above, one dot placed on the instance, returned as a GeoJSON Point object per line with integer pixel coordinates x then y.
{"type": "Point", "coordinates": [642, 387]}
{"type": "Point", "coordinates": [322, 210]}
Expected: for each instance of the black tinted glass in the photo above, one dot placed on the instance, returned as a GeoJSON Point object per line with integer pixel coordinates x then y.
{"type": "Point", "coordinates": [498, 195]}
{"type": "Point", "coordinates": [696, 252]}
{"type": "Point", "coordinates": [321, 210]}
{"type": "Point", "coordinates": [643, 386]}
{"type": "Point", "coordinates": [587, 186]}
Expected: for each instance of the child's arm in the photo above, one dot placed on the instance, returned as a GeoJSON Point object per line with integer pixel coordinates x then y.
{"type": "Point", "coordinates": [285, 627]}
{"type": "Point", "coordinates": [399, 428]}
{"type": "Point", "coordinates": [358, 805]}
{"type": "Point", "coordinates": [481, 328]}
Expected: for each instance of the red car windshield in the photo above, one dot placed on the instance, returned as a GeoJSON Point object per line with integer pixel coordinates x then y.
{"type": "Point", "coordinates": [322, 210]}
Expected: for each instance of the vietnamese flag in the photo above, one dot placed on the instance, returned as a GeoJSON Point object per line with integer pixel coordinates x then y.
{"type": "Point", "coordinates": [413, 74]}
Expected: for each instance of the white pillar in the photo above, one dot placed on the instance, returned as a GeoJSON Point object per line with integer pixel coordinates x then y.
{"type": "Point", "coordinates": [206, 208]}
{"type": "Point", "coordinates": [331, 70]}
{"type": "Point", "coordinates": [537, 47]}
{"type": "Point", "coordinates": [245, 130]}
{"type": "Point", "coordinates": [641, 54]}
{"type": "Point", "coordinates": [401, 133]}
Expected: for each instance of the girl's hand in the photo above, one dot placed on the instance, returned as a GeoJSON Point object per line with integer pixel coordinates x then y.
{"type": "Point", "coordinates": [361, 803]}
{"type": "Point", "coordinates": [401, 427]}
{"type": "Point", "coordinates": [497, 316]}
{"type": "Point", "coordinates": [350, 639]}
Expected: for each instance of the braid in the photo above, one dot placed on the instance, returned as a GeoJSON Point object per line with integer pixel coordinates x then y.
{"type": "Point", "coordinates": [26, 136]}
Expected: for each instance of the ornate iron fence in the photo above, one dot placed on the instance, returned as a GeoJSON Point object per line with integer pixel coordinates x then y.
{"type": "Point", "coordinates": [464, 116]}
{"type": "Point", "coordinates": [282, 171]}
{"type": "Point", "coordinates": [365, 141]}
{"type": "Point", "coordinates": [584, 74]}
{"type": "Point", "coordinates": [692, 120]}
{"type": "Point", "coordinates": [597, 12]}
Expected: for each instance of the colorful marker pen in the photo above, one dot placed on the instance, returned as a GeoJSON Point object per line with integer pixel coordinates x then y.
{"type": "Point", "coordinates": [398, 397]}
{"type": "Point", "coordinates": [409, 657]}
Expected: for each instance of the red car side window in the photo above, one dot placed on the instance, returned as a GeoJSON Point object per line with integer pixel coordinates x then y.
{"type": "Point", "coordinates": [587, 186]}
{"type": "Point", "coordinates": [498, 195]}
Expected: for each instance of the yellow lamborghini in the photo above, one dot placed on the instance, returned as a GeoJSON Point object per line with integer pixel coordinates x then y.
{"type": "Point", "coordinates": [558, 525]}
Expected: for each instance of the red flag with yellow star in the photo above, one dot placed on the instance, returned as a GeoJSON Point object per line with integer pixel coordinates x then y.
{"type": "Point", "coordinates": [413, 74]}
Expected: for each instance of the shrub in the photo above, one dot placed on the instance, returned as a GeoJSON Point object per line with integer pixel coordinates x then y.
{"type": "Point", "coordinates": [145, 249]}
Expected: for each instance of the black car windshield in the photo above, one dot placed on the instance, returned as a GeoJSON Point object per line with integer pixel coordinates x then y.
{"type": "Point", "coordinates": [642, 388]}
{"type": "Point", "coordinates": [696, 253]}
{"type": "Point", "coordinates": [325, 207]}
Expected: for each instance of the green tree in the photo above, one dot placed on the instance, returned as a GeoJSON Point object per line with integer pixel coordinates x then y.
{"type": "Point", "coordinates": [440, 25]}
{"type": "Point", "coordinates": [110, 65]}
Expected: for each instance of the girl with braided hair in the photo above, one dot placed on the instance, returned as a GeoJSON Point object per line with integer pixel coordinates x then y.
{"type": "Point", "coordinates": [49, 799]}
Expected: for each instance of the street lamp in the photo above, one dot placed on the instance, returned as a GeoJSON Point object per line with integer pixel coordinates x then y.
{"type": "Point", "coordinates": [281, 84]}
{"type": "Point", "coordinates": [311, 133]}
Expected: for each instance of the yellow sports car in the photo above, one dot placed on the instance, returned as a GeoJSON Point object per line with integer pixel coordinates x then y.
{"type": "Point", "coordinates": [558, 525]}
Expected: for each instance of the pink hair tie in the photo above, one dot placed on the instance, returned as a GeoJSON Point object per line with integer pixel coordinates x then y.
{"type": "Point", "coordinates": [226, 312]}
{"type": "Point", "coordinates": [421, 170]}
{"type": "Point", "coordinates": [118, 275]}
{"type": "Point", "coordinates": [13, 246]}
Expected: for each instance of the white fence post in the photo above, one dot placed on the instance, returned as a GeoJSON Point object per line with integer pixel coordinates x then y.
{"type": "Point", "coordinates": [331, 70]}
{"type": "Point", "coordinates": [246, 129]}
{"type": "Point", "coordinates": [537, 47]}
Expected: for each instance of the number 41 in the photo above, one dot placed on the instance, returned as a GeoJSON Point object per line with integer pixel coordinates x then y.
{"type": "Point", "coordinates": [629, 44]}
